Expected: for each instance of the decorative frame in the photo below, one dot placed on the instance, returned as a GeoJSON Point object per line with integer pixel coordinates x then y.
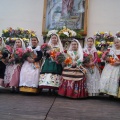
{"type": "Point", "coordinates": [84, 14]}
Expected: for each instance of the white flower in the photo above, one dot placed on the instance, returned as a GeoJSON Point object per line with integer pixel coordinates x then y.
{"type": "Point", "coordinates": [73, 33]}
{"type": "Point", "coordinates": [106, 32]}
{"type": "Point", "coordinates": [102, 42]}
{"type": "Point", "coordinates": [66, 33]}
{"type": "Point", "coordinates": [7, 39]}
{"type": "Point", "coordinates": [52, 32]}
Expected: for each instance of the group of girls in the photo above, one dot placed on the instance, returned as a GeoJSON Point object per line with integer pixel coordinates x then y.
{"type": "Point", "coordinates": [77, 80]}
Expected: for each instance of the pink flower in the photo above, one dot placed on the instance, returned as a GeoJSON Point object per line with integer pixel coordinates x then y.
{"type": "Point", "coordinates": [45, 46]}
{"type": "Point", "coordinates": [27, 50]}
{"type": "Point", "coordinates": [19, 52]}
{"type": "Point", "coordinates": [85, 54]}
{"type": "Point", "coordinates": [9, 48]}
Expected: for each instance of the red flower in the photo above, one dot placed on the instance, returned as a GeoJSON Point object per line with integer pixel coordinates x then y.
{"type": "Point", "coordinates": [65, 51]}
{"type": "Point", "coordinates": [85, 55]}
{"type": "Point", "coordinates": [98, 60]}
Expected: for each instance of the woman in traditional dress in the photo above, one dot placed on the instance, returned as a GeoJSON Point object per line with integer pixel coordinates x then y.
{"type": "Point", "coordinates": [12, 72]}
{"type": "Point", "coordinates": [2, 63]}
{"type": "Point", "coordinates": [51, 71]}
{"type": "Point", "coordinates": [73, 83]}
{"type": "Point", "coordinates": [109, 82]}
{"type": "Point", "coordinates": [93, 73]}
{"type": "Point", "coordinates": [29, 75]}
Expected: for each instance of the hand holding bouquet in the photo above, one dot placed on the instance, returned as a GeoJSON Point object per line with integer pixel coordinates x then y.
{"type": "Point", "coordinates": [45, 47]}
{"type": "Point", "coordinates": [59, 58]}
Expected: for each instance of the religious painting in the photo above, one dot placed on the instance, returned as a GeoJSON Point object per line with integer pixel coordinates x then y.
{"type": "Point", "coordinates": [69, 13]}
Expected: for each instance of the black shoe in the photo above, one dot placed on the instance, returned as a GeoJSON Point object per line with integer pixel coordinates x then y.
{"type": "Point", "coordinates": [13, 90]}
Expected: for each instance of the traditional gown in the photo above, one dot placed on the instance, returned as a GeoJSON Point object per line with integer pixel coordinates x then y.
{"type": "Point", "coordinates": [73, 82]}
{"type": "Point", "coordinates": [12, 74]}
{"type": "Point", "coordinates": [109, 82]}
{"type": "Point", "coordinates": [29, 74]}
{"type": "Point", "coordinates": [93, 74]}
{"type": "Point", "coordinates": [51, 72]}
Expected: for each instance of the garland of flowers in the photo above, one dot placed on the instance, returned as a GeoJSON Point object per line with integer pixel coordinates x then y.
{"type": "Point", "coordinates": [64, 33]}
{"type": "Point", "coordinates": [10, 35]}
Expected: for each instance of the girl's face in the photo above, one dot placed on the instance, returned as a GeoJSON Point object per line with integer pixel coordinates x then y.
{"type": "Point", "coordinates": [117, 43]}
{"type": "Point", "coordinates": [74, 46]}
{"type": "Point", "coordinates": [34, 42]}
{"type": "Point", "coordinates": [0, 41]}
{"type": "Point", "coordinates": [18, 43]}
{"type": "Point", "coordinates": [54, 39]}
{"type": "Point", "coordinates": [90, 42]}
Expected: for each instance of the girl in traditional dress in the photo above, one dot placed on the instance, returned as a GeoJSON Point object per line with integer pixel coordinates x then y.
{"type": "Point", "coordinates": [2, 63]}
{"type": "Point", "coordinates": [109, 82]}
{"type": "Point", "coordinates": [12, 73]}
{"type": "Point", "coordinates": [93, 74]}
{"type": "Point", "coordinates": [30, 71]}
{"type": "Point", "coordinates": [51, 71]}
{"type": "Point", "coordinates": [73, 83]}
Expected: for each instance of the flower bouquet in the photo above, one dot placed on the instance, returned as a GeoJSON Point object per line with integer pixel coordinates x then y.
{"type": "Point", "coordinates": [112, 60]}
{"type": "Point", "coordinates": [18, 54]}
{"type": "Point", "coordinates": [27, 53]}
{"type": "Point", "coordinates": [45, 47]}
{"type": "Point", "coordinates": [86, 59]}
{"type": "Point", "coordinates": [59, 58]}
{"type": "Point", "coordinates": [68, 61]}
{"type": "Point", "coordinates": [53, 54]}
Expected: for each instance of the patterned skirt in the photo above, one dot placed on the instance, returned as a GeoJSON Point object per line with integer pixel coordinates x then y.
{"type": "Point", "coordinates": [109, 81]}
{"type": "Point", "coordinates": [50, 75]}
{"type": "Point", "coordinates": [49, 80]}
{"type": "Point", "coordinates": [93, 81]}
{"type": "Point", "coordinates": [12, 75]}
{"type": "Point", "coordinates": [73, 83]}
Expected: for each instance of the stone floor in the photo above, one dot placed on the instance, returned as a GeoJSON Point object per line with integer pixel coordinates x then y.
{"type": "Point", "coordinates": [53, 107]}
